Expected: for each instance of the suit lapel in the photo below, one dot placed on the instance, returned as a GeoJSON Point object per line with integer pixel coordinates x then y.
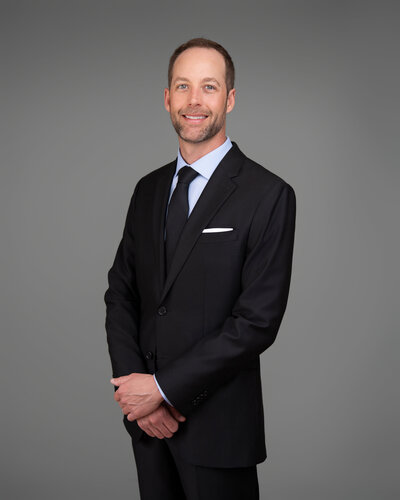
{"type": "Point", "coordinates": [218, 189]}
{"type": "Point", "coordinates": [160, 198]}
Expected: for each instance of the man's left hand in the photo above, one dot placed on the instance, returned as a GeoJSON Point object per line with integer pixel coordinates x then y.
{"type": "Point", "coordinates": [137, 395]}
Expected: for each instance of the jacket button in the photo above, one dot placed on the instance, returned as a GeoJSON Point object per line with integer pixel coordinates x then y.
{"type": "Point", "coordinates": [162, 310]}
{"type": "Point", "coordinates": [149, 355]}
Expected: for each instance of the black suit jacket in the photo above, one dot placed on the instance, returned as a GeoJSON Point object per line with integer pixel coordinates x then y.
{"type": "Point", "coordinates": [203, 327]}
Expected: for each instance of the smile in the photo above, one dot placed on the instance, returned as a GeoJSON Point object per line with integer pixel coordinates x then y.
{"type": "Point", "coordinates": [195, 117]}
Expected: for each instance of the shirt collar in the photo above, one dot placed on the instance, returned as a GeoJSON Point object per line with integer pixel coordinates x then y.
{"type": "Point", "coordinates": [206, 165]}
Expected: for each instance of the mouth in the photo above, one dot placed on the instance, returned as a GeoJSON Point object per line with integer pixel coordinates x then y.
{"type": "Point", "coordinates": [195, 118]}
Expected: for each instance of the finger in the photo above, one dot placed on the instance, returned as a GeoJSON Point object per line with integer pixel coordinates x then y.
{"type": "Point", "coordinates": [146, 429]}
{"type": "Point", "coordinates": [162, 422]}
{"type": "Point", "coordinates": [159, 434]}
{"type": "Point", "coordinates": [149, 427]}
{"type": "Point", "coordinates": [129, 408]}
{"type": "Point", "coordinates": [126, 411]}
{"type": "Point", "coordinates": [119, 380]}
{"type": "Point", "coordinates": [150, 433]}
{"type": "Point", "coordinates": [124, 407]}
{"type": "Point", "coordinates": [176, 414]}
{"type": "Point", "coordinates": [135, 412]}
{"type": "Point", "coordinates": [161, 431]}
{"type": "Point", "coordinates": [169, 422]}
{"type": "Point", "coordinates": [142, 410]}
{"type": "Point", "coordinates": [166, 431]}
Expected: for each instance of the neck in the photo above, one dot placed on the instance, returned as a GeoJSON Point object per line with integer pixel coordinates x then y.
{"type": "Point", "coordinates": [192, 152]}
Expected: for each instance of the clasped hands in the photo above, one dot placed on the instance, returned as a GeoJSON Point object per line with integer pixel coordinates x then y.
{"type": "Point", "coordinates": [140, 400]}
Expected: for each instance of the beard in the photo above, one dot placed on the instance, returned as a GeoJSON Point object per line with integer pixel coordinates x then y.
{"type": "Point", "coordinates": [203, 133]}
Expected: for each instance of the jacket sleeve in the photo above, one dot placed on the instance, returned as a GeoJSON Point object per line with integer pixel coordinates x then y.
{"type": "Point", "coordinates": [256, 315]}
{"type": "Point", "coordinates": [123, 305]}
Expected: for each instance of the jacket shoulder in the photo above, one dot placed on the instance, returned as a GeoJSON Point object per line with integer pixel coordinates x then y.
{"type": "Point", "coordinates": [158, 172]}
{"type": "Point", "coordinates": [260, 179]}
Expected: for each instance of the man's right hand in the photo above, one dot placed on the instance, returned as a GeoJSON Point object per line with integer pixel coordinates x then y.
{"type": "Point", "coordinates": [162, 422]}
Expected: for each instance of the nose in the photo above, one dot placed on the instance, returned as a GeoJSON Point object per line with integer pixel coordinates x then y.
{"type": "Point", "coordinates": [195, 97]}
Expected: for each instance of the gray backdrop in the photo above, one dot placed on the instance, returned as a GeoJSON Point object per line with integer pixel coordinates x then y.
{"type": "Point", "coordinates": [82, 120]}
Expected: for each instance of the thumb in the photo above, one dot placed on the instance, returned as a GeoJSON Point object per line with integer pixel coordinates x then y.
{"type": "Point", "coordinates": [176, 414]}
{"type": "Point", "coordinates": [118, 380]}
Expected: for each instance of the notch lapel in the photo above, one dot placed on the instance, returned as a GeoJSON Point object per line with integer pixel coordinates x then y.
{"type": "Point", "coordinates": [216, 192]}
{"type": "Point", "coordinates": [160, 199]}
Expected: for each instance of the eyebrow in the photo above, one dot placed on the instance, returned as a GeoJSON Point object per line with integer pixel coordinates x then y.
{"type": "Point", "coordinates": [207, 79]}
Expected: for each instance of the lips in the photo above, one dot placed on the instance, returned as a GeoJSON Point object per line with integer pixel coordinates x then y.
{"type": "Point", "coordinates": [195, 118]}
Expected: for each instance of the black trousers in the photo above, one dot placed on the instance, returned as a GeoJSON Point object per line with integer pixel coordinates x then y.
{"type": "Point", "coordinates": [165, 476]}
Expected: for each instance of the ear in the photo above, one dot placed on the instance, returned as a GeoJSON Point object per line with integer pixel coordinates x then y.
{"type": "Point", "coordinates": [166, 99]}
{"type": "Point", "coordinates": [230, 102]}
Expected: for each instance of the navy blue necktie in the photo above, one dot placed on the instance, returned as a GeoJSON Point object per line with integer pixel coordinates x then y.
{"type": "Point", "coordinates": [178, 211]}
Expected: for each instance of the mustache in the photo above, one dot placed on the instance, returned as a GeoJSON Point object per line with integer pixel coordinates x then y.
{"type": "Point", "coordinates": [195, 112]}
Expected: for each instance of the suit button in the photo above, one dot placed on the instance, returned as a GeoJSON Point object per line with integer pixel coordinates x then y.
{"type": "Point", "coordinates": [149, 355]}
{"type": "Point", "coordinates": [162, 310]}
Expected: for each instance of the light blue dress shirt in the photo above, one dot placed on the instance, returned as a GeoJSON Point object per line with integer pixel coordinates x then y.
{"type": "Point", "coordinates": [205, 166]}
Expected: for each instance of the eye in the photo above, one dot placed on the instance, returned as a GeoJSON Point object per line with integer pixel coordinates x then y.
{"type": "Point", "coordinates": [210, 87]}
{"type": "Point", "coordinates": [182, 86]}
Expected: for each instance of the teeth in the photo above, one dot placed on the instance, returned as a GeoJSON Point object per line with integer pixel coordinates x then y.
{"type": "Point", "coordinates": [195, 117]}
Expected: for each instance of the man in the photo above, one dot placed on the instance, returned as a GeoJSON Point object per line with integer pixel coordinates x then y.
{"type": "Point", "coordinates": [196, 293]}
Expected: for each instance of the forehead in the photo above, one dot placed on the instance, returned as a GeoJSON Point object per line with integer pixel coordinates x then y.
{"type": "Point", "coordinates": [199, 62]}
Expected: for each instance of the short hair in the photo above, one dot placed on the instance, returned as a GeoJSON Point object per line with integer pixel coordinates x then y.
{"type": "Point", "coordinates": [206, 44]}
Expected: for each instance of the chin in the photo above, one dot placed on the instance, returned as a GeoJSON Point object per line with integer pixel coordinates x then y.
{"type": "Point", "coordinates": [199, 136]}
{"type": "Point", "coordinates": [194, 139]}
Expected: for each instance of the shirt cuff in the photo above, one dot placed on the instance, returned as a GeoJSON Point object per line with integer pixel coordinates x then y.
{"type": "Point", "coordinates": [161, 391]}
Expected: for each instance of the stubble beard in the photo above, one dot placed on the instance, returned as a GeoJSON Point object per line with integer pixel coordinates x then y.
{"type": "Point", "coordinates": [204, 134]}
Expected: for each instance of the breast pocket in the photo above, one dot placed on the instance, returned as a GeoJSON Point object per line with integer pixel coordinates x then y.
{"type": "Point", "coordinates": [219, 236]}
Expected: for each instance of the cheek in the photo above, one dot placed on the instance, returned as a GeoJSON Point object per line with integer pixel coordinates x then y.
{"type": "Point", "coordinates": [217, 104]}
{"type": "Point", "coordinates": [176, 104]}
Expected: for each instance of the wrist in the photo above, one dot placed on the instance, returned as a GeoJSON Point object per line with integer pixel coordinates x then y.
{"type": "Point", "coordinates": [158, 396]}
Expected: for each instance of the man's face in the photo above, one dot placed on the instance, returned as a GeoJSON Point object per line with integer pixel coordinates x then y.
{"type": "Point", "coordinates": [197, 99]}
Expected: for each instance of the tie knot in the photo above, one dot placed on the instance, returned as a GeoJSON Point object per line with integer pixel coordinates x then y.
{"type": "Point", "coordinates": [186, 175]}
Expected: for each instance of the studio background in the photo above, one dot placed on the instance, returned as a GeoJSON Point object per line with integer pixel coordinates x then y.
{"type": "Point", "coordinates": [82, 119]}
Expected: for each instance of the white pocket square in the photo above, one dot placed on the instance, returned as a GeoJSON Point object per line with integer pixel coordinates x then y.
{"type": "Point", "coordinates": [217, 229]}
